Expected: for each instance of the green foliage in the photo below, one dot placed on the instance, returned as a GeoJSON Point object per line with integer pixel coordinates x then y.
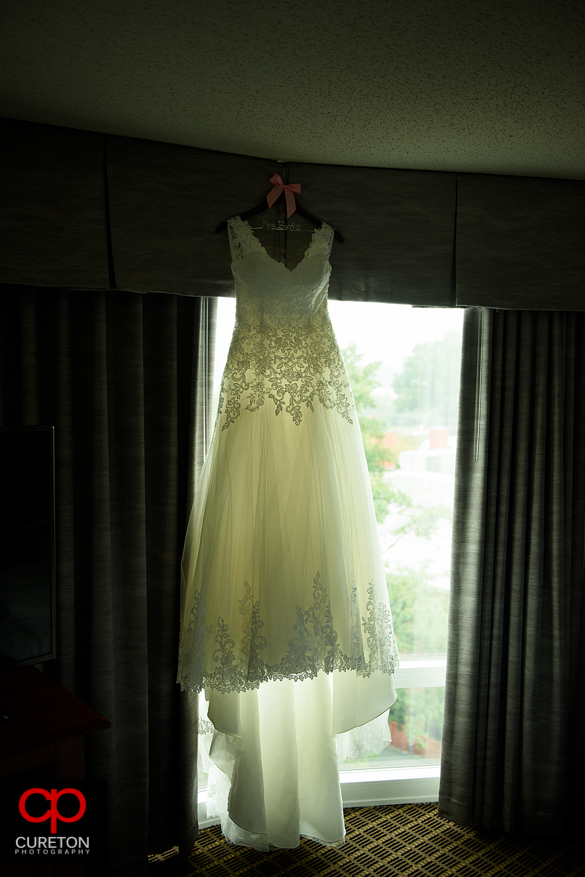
{"type": "Point", "coordinates": [419, 611]}
{"type": "Point", "coordinates": [420, 521]}
{"type": "Point", "coordinates": [419, 614]}
{"type": "Point", "coordinates": [373, 431]}
{"type": "Point", "coordinates": [402, 593]}
{"type": "Point", "coordinates": [364, 380]}
{"type": "Point", "coordinates": [382, 494]}
{"type": "Point", "coordinates": [428, 387]}
{"type": "Point", "coordinates": [420, 712]}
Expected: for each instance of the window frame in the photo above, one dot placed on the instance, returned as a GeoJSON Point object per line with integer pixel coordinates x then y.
{"type": "Point", "coordinates": [367, 786]}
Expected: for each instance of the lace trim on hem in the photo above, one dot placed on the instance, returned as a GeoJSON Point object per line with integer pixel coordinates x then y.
{"type": "Point", "coordinates": [213, 682]}
{"type": "Point", "coordinates": [309, 652]}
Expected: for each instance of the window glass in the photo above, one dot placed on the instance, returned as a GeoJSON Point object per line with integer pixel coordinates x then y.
{"type": "Point", "coordinates": [404, 366]}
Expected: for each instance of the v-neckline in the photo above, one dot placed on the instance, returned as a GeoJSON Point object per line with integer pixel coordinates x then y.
{"type": "Point", "coordinates": [266, 253]}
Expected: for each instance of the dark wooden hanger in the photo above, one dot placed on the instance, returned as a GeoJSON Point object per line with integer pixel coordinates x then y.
{"type": "Point", "coordinates": [260, 208]}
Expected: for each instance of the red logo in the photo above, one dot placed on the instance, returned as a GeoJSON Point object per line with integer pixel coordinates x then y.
{"type": "Point", "coordinates": [53, 811]}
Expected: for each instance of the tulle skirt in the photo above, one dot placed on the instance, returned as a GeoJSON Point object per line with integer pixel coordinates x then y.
{"type": "Point", "coordinates": [286, 623]}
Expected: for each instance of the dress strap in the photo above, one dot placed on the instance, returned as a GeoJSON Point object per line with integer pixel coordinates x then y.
{"type": "Point", "coordinates": [330, 236]}
{"type": "Point", "coordinates": [235, 244]}
{"type": "Point", "coordinates": [242, 239]}
{"type": "Point", "coordinates": [322, 241]}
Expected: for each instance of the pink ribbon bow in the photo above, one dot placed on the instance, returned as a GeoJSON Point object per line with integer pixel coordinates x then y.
{"type": "Point", "coordinates": [279, 187]}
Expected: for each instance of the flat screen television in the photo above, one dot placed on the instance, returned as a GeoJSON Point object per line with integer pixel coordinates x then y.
{"type": "Point", "coordinates": [27, 546]}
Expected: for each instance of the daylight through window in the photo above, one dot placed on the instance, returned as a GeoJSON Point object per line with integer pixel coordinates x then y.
{"type": "Point", "coordinates": [404, 366]}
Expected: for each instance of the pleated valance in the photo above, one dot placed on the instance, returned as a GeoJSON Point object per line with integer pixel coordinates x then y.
{"type": "Point", "coordinates": [91, 211]}
{"type": "Point", "coordinates": [52, 207]}
{"type": "Point", "coordinates": [520, 243]}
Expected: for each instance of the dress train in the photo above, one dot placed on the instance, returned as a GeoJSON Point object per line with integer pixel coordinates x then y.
{"type": "Point", "coordinates": [273, 767]}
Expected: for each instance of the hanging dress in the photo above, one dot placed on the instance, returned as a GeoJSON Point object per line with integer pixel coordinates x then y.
{"type": "Point", "coordinates": [285, 619]}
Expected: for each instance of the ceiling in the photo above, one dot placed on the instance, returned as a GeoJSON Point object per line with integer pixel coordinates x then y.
{"type": "Point", "coordinates": [484, 86]}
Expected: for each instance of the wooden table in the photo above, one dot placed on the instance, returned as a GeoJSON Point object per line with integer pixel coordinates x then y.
{"type": "Point", "coordinates": [46, 725]}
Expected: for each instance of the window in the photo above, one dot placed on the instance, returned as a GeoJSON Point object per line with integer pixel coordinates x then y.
{"type": "Point", "coordinates": [404, 368]}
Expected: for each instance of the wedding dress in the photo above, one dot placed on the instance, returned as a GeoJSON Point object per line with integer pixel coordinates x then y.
{"type": "Point", "coordinates": [285, 619]}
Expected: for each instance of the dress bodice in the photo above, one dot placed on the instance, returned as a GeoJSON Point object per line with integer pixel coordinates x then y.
{"type": "Point", "coordinates": [283, 349]}
{"type": "Point", "coordinates": [266, 290]}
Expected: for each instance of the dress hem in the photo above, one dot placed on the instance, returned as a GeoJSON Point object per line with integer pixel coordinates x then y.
{"type": "Point", "coordinates": [208, 684]}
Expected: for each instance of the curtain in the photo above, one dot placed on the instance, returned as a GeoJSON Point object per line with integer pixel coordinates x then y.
{"type": "Point", "coordinates": [510, 738]}
{"type": "Point", "coordinates": [165, 202]}
{"type": "Point", "coordinates": [53, 210]}
{"type": "Point", "coordinates": [126, 381]}
{"type": "Point", "coordinates": [87, 210]}
{"type": "Point", "coordinates": [520, 243]}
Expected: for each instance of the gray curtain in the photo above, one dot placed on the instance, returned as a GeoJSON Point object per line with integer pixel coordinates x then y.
{"type": "Point", "coordinates": [520, 243]}
{"type": "Point", "coordinates": [510, 738]}
{"type": "Point", "coordinates": [126, 381]}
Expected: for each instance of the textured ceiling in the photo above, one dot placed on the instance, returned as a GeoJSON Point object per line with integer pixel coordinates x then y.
{"type": "Point", "coordinates": [488, 86]}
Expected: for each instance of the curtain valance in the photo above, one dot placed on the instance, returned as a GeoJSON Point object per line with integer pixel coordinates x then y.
{"type": "Point", "coordinates": [520, 243]}
{"type": "Point", "coordinates": [87, 210]}
{"type": "Point", "coordinates": [52, 207]}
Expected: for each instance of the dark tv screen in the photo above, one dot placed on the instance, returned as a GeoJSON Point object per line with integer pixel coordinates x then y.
{"type": "Point", "coordinates": [27, 546]}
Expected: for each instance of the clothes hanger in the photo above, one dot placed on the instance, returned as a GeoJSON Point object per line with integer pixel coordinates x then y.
{"type": "Point", "coordinates": [260, 208]}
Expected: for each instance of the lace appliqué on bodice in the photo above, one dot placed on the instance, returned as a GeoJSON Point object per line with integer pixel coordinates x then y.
{"type": "Point", "coordinates": [283, 348]}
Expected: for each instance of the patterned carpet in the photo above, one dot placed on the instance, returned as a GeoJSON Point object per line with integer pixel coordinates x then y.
{"type": "Point", "coordinates": [408, 840]}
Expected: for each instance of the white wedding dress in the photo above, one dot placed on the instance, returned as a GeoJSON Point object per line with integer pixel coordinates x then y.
{"type": "Point", "coordinates": [285, 620]}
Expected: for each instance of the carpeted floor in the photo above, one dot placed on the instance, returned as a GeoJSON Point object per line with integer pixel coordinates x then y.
{"type": "Point", "coordinates": [408, 840]}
